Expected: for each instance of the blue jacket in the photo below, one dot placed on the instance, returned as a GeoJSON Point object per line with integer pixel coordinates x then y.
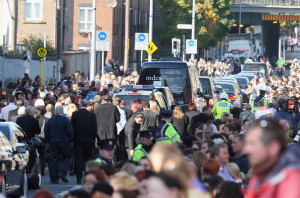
{"type": "Point", "coordinates": [59, 129]}
{"type": "Point", "coordinates": [282, 115]}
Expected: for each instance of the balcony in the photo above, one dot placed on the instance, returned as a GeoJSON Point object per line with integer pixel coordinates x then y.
{"type": "Point", "coordinates": [269, 3]}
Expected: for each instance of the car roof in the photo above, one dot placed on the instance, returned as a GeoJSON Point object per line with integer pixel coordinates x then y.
{"type": "Point", "coordinates": [141, 92]}
{"type": "Point", "coordinates": [161, 64]}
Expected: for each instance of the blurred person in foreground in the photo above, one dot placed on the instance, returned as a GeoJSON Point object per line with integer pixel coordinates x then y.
{"type": "Point", "coordinates": [276, 166]}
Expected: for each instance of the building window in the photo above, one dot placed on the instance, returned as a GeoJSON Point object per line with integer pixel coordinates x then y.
{"type": "Point", "coordinates": [33, 10]}
{"type": "Point", "coordinates": [139, 17]}
{"type": "Point", "coordinates": [85, 19]}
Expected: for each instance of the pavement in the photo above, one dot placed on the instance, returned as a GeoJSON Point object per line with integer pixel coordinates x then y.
{"type": "Point", "coordinates": [56, 189]}
{"type": "Point", "coordinates": [290, 56]}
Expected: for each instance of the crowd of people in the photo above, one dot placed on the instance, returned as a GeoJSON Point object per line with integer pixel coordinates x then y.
{"type": "Point", "coordinates": [145, 151]}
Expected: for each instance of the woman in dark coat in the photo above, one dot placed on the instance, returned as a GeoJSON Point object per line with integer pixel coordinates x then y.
{"type": "Point", "coordinates": [179, 121]}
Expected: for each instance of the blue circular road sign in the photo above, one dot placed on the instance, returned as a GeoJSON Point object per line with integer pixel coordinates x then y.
{"type": "Point", "coordinates": [102, 36]}
{"type": "Point", "coordinates": [191, 43]}
{"type": "Point", "coordinates": [141, 37]}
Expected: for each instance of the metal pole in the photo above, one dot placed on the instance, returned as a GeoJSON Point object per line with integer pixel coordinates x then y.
{"type": "Point", "coordinates": [142, 57]}
{"type": "Point", "coordinates": [150, 27]}
{"type": "Point", "coordinates": [193, 26]}
{"type": "Point", "coordinates": [42, 72]}
{"type": "Point", "coordinates": [240, 17]}
{"type": "Point", "coordinates": [183, 47]}
{"type": "Point", "coordinates": [127, 36]}
{"type": "Point", "coordinates": [3, 53]}
{"type": "Point", "coordinates": [279, 48]}
{"type": "Point", "coordinates": [93, 53]}
{"type": "Point", "coordinates": [102, 63]}
{"type": "Point", "coordinates": [58, 10]}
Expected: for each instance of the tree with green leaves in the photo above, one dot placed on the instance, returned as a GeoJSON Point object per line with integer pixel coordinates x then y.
{"type": "Point", "coordinates": [213, 20]}
{"type": "Point", "coordinates": [37, 42]}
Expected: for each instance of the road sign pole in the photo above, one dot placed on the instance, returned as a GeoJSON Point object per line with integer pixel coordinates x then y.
{"type": "Point", "coordinates": [45, 44]}
{"type": "Point", "coordinates": [193, 26]}
{"type": "Point", "coordinates": [93, 51]}
{"type": "Point", "coordinates": [141, 58]}
{"type": "Point", "coordinates": [102, 63]}
{"type": "Point", "coordinates": [150, 27]}
{"type": "Point", "coordinates": [42, 71]}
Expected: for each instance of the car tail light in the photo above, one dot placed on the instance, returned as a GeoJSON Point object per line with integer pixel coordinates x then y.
{"type": "Point", "coordinates": [232, 97]}
{"type": "Point", "coordinates": [211, 102]}
{"type": "Point", "coordinates": [191, 100]}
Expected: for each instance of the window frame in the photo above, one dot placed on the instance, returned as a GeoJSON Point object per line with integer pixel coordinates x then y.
{"type": "Point", "coordinates": [33, 11]}
{"type": "Point", "coordinates": [85, 8]}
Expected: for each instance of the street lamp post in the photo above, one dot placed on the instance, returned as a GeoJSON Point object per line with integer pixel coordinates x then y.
{"type": "Point", "coordinates": [193, 26]}
{"type": "Point", "coordinates": [240, 17]}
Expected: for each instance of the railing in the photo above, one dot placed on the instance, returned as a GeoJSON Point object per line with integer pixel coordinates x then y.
{"type": "Point", "coordinates": [288, 3]}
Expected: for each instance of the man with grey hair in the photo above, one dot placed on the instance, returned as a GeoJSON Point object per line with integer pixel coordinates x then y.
{"type": "Point", "coordinates": [59, 134]}
{"type": "Point", "coordinates": [28, 123]}
{"type": "Point", "coordinates": [236, 110]}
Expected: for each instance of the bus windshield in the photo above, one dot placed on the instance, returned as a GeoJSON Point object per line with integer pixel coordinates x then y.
{"type": "Point", "coordinates": [174, 78]}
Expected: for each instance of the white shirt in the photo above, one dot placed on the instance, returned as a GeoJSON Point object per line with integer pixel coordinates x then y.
{"type": "Point", "coordinates": [6, 110]}
{"type": "Point", "coordinates": [121, 124]}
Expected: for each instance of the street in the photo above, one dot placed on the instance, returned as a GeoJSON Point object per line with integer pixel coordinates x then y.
{"type": "Point", "coordinates": [56, 189]}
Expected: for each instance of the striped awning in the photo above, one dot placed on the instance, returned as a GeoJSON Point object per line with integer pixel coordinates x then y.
{"type": "Point", "coordinates": [275, 17]}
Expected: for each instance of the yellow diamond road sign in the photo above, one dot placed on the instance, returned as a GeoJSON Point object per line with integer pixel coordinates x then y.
{"type": "Point", "coordinates": [42, 52]}
{"type": "Point", "coordinates": [151, 48]}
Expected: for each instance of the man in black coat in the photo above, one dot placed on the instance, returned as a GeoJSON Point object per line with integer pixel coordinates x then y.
{"type": "Point", "coordinates": [151, 119]}
{"type": "Point", "coordinates": [131, 133]}
{"type": "Point", "coordinates": [107, 116]}
{"type": "Point", "coordinates": [84, 124]}
{"type": "Point", "coordinates": [203, 117]}
{"type": "Point", "coordinates": [28, 123]}
{"type": "Point", "coordinates": [31, 126]}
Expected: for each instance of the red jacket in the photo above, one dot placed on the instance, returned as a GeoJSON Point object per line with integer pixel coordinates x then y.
{"type": "Point", "coordinates": [282, 181]}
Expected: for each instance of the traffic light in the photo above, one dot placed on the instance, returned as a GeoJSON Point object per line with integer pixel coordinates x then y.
{"type": "Point", "coordinates": [175, 46]}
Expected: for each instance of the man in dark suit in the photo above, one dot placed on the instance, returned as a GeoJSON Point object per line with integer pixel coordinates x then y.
{"type": "Point", "coordinates": [85, 132]}
{"type": "Point", "coordinates": [107, 116]}
{"type": "Point", "coordinates": [203, 117]}
{"type": "Point", "coordinates": [151, 119]}
{"type": "Point", "coordinates": [13, 113]}
{"type": "Point", "coordinates": [59, 134]}
{"type": "Point", "coordinates": [128, 111]}
{"type": "Point", "coordinates": [131, 133]}
{"type": "Point", "coordinates": [28, 123]}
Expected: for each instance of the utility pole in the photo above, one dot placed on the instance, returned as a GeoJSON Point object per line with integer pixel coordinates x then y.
{"type": "Point", "coordinates": [58, 45]}
{"type": "Point", "coordinates": [3, 53]}
{"type": "Point", "coordinates": [45, 46]}
{"type": "Point", "coordinates": [127, 39]}
{"type": "Point", "coordinates": [93, 52]}
{"type": "Point", "coordinates": [150, 27]}
{"type": "Point", "coordinates": [193, 26]}
{"type": "Point", "coordinates": [240, 17]}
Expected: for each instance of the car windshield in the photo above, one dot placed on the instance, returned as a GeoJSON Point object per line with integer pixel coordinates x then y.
{"type": "Point", "coordinates": [242, 81]}
{"type": "Point", "coordinates": [130, 98]}
{"type": "Point", "coordinates": [227, 88]}
{"type": "Point", "coordinates": [255, 67]}
{"type": "Point", "coordinates": [205, 86]}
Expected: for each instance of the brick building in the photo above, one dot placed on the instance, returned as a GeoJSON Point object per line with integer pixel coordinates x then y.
{"type": "Point", "coordinates": [38, 17]}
